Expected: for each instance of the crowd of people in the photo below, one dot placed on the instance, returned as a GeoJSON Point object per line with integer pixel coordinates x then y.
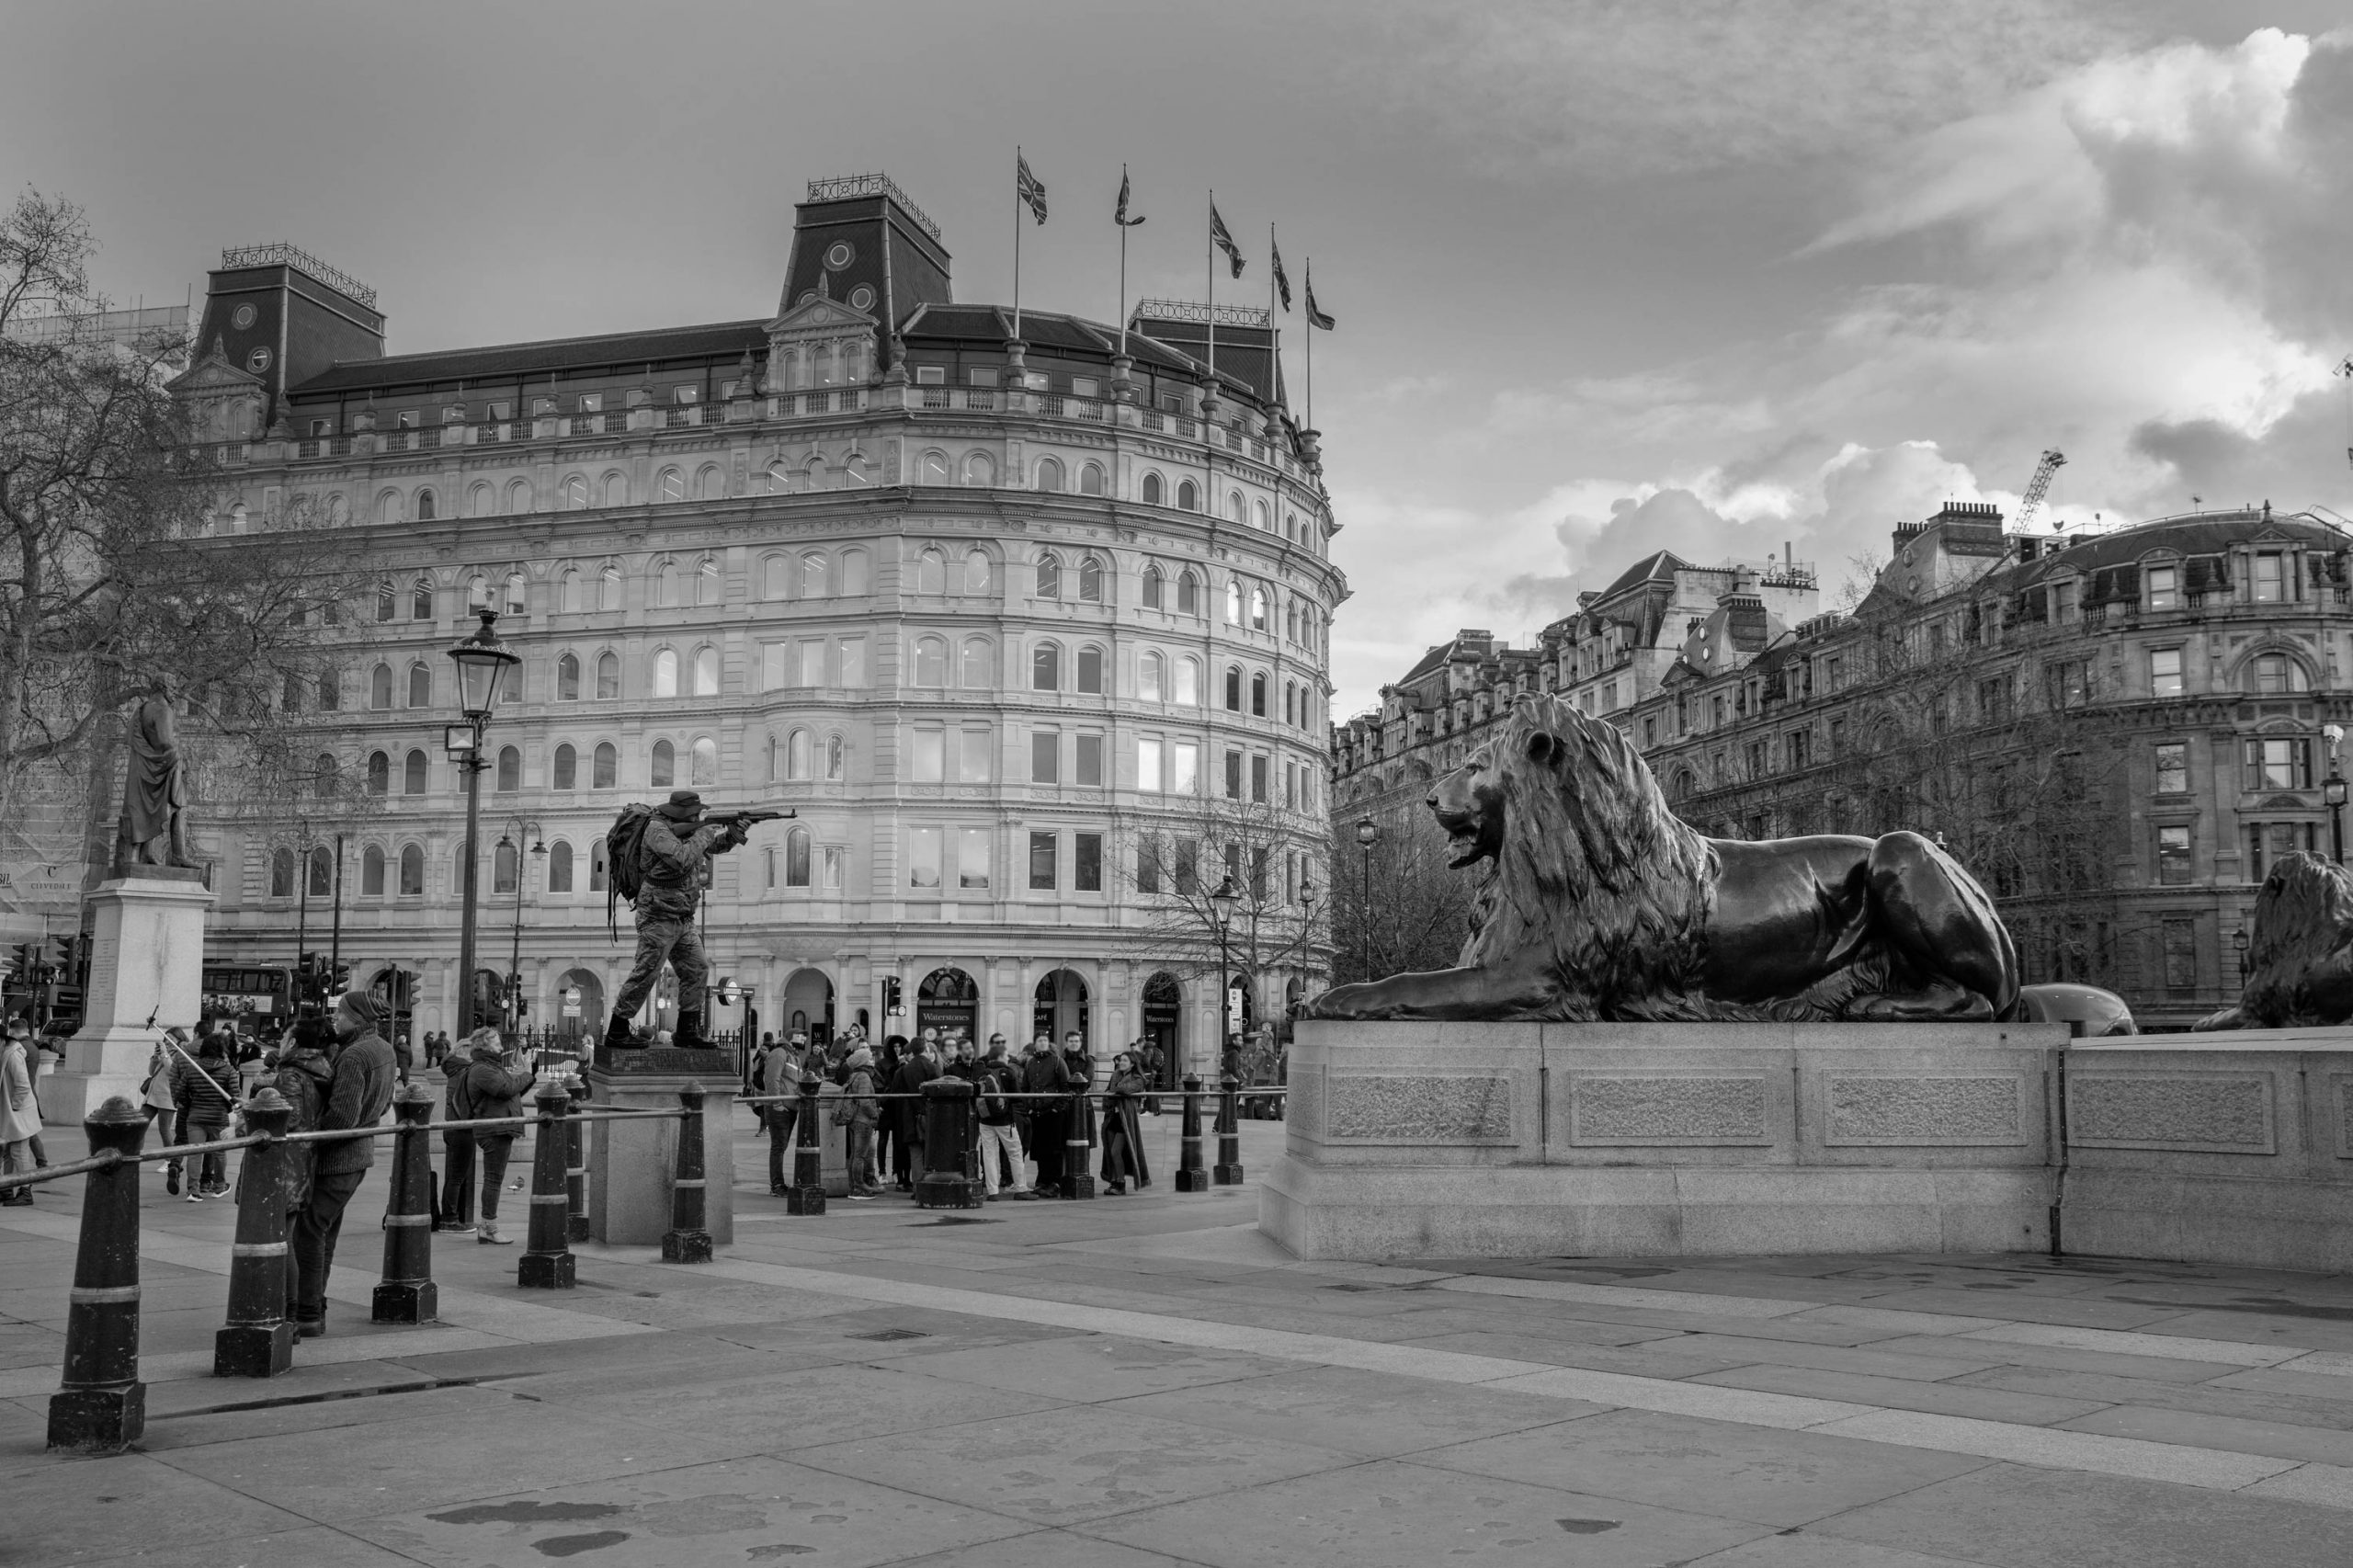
{"type": "Point", "coordinates": [1033, 1108]}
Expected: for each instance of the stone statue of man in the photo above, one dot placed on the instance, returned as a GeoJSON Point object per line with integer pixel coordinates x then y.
{"type": "Point", "coordinates": [154, 794]}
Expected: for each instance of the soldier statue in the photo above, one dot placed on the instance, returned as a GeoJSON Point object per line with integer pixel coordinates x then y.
{"type": "Point", "coordinates": [152, 830]}
{"type": "Point", "coordinates": [665, 885]}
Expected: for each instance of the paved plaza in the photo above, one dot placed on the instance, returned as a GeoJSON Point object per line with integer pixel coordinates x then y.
{"type": "Point", "coordinates": [1146, 1381]}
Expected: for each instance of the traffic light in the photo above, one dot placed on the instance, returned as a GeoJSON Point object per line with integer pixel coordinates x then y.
{"type": "Point", "coordinates": [892, 1004]}
{"type": "Point", "coordinates": [522, 1007]}
{"type": "Point", "coordinates": [341, 980]}
{"type": "Point", "coordinates": [62, 965]}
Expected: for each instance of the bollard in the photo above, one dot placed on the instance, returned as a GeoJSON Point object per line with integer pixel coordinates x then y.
{"type": "Point", "coordinates": [100, 1406]}
{"type": "Point", "coordinates": [1078, 1177]}
{"type": "Point", "coordinates": [1229, 1134]}
{"type": "Point", "coordinates": [950, 1140]}
{"type": "Point", "coordinates": [576, 1154]}
{"type": "Point", "coordinates": [547, 1263]}
{"type": "Point", "coordinates": [406, 1292]}
{"type": "Point", "coordinates": [1190, 1177]}
{"type": "Point", "coordinates": [686, 1241]}
{"type": "Point", "coordinates": [806, 1196]}
{"type": "Point", "coordinates": [258, 1341]}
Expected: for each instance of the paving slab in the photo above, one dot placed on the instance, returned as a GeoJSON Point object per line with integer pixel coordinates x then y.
{"type": "Point", "coordinates": [1370, 1414]}
{"type": "Point", "coordinates": [61, 1510]}
{"type": "Point", "coordinates": [1906, 1394]}
{"type": "Point", "coordinates": [1095, 1367]}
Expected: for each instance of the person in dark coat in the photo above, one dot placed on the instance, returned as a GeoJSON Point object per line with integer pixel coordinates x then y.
{"type": "Point", "coordinates": [358, 1097]}
{"type": "Point", "coordinates": [919, 1067]}
{"type": "Point", "coordinates": [494, 1080]}
{"type": "Point", "coordinates": [882, 1069]}
{"type": "Point", "coordinates": [1123, 1136]}
{"type": "Point", "coordinates": [1044, 1073]}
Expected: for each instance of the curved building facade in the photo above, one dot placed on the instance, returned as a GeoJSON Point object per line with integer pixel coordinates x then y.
{"type": "Point", "coordinates": [1008, 622]}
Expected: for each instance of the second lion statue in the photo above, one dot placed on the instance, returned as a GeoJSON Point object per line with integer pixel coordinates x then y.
{"type": "Point", "coordinates": [1597, 902]}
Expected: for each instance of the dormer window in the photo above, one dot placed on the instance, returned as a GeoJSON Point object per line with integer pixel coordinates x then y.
{"type": "Point", "coordinates": [931, 375]}
{"type": "Point", "coordinates": [592, 402]}
{"type": "Point", "coordinates": [1084, 386]}
{"type": "Point", "coordinates": [455, 414]}
{"type": "Point", "coordinates": [982, 376]}
{"type": "Point", "coordinates": [406, 419]}
{"type": "Point", "coordinates": [2165, 587]}
{"type": "Point", "coordinates": [687, 394]}
{"type": "Point", "coordinates": [2270, 577]}
{"type": "Point", "coordinates": [322, 428]}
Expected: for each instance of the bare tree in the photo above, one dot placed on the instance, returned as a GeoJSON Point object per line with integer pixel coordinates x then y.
{"type": "Point", "coordinates": [1399, 906]}
{"type": "Point", "coordinates": [1268, 861]}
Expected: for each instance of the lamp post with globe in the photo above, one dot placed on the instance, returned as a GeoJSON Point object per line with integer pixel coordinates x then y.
{"type": "Point", "coordinates": [482, 661]}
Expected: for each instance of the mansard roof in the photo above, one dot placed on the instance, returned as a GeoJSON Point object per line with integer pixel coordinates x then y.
{"type": "Point", "coordinates": [508, 362]}
{"type": "Point", "coordinates": [1659, 566]}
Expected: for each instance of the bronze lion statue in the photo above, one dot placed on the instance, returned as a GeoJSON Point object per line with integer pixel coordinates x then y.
{"type": "Point", "coordinates": [2300, 952]}
{"type": "Point", "coordinates": [1596, 902]}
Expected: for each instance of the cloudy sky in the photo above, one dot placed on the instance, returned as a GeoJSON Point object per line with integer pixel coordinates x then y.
{"type": "Point", "coordinates": [1723, 275]}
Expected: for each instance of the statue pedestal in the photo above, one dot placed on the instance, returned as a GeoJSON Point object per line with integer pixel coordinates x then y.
{"type": "Point", "coordinates": [1433, 1141]}
{"type": "Point", "coordinates": [146, 972]}
{"type": "Point", "coordinates": [630, 1162]}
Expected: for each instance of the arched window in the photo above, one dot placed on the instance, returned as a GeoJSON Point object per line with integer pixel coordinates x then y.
{"type": "Point", "coordinates": [1090, 671]}
{"type": "Point", "coordinates": [379, 686]}
{"type": "Point", "coordinates": [931, 573]}
{"type": "Point", "coordinates": [1188, 594]}
{"type": "Point", "coordinates": [713, 485]}
{"type": "Point", "coordinates": [330, 691]}
{"type": "Point", "coordinates": [935, 466]}
{"type": "Point", "coordinates": [771, 751]}
{"type": "Point", "coordinates": [605, 767]}
{"type": "Point", "coordinates": [813, 576]}
{"type": "Point", "coordinates": [1233, 601]}
{"type": "Point", "coordinates": [706, 672]}
{"type": "Point", "coordinates": [978, 671]}
{"type": "Point", "coordinates": [976, 571]}
{"type": "Point", "coordinates": [575, 493]}
{"type": "Point", "coordinates": [703, 764]}
{"type": "Point", "coordinates": [776, 577]}
{"type": "Point", "coordinates": [411, 871]}
{"type": "Point", "coordinates": [1291, 620]}
{"type": "Point", "coordinates": [665, 584]}
{"type": "Point", "coordinates": [796, 858]}
{"type": "Point", "coordinates": [1259, 516]}
{"type": "Point", "coordinates": [1257, 610]}
{"type": "Point", "coordinates": [1090, 480]}
{"type": "Point", "coordinates": [796, 754]}
{"type": "Point", "coordinates": [380, 773]}
{"type": "Point", "coordinates": [559, 867]}
{"type": "Point", "coordinates": [1050, 576]}
{"type": "Point", "coordinates": [322, 869]}
{"type": "Point", "coordinates": [1155, 586]}
{"type": "Point", "coordinates": [1050, 474]}
{"type": "Point", "coordinates": [518, 591]}
{"type": "Point", "coordinates": [1291, 701]}
{"type": "Point", "coordinates": [478, 593]}
{"type": "Point", "coordinates": [980, 470]}
{"type": "Point", "coordinates": [1046, 668]}
{"type": "Point", "coordinates": [1188, 683]}
{"type": "Point", "coordinates": [779, 478]}
{"type": "Point", "coordinates": [854, 575]}
{"type": "Point", "coordinates": [510, 770]}
{"type": "Point", "coordinates": [1152, 678]}
{"type": "Point", "coordinates": [707, 581]}
{"type": "Point", "coordinates": [372, 871]}
{"type": "Point", "coordinates": [387, 602]}
{"type": "Point", "coordinates": [389, 508]}
{"type": "Point", "coordinates": [2272, 674]}
{"type": "Point", "coordinates": [413, 773]}
{"type": "Point", "coordinates": [616, 489]}
{"type": "Point", "coordinates": [420, 685]}
{"type": "Point", "coordinates": [672, 486]}
{"type": "Point", "coordinates": [281, 873]}
{"type": "Point", "coordinates": [1151, 489]}
{"type": "Point", "coordinates": [505, 865]}
{"type": "Point", "coordinates": [566, 772]}
{"type": "Point", "coordinates": [663, 772]}
{"type": "Point", "coordinates": [854, 472]}
{"type": "Point", "coordinates": [666, 673]}
{"type": "Point", "coordinates": [420, 599]}
{"type": "Point", "coordinates": [1234, 510]}
{"type": "Point", "coordinates": [323, 773]}
{"type": "Point", "coordinates": [567, 678]}
{"type": "Point", "coordinates": [931, 661]}
{"type": "Point", "coordinates": [609, 676]}
{"type": "Point", "coordinates": [518, 497]}
{"type": "Point", "coordinates": [596, 867]}
{"type": "Point", "coordinates": [1259, 695]}
{"type": "Point", "coordinates": [1188, 497]}
{"type": "Point", "coordinates": [608, 588]}
{"type": "Point", "coordinates": [482, 501]}
{"type": "Point", "coordinates": [814, 476]}
{"type": "Point", "coordinates": [1090, 581]}
{"type": "Point", "coordinates": [1234, 688]}
{"type": "Point", "coordinates": [425, 507]}
{"type": "Point", "coordinates": [836, 757]}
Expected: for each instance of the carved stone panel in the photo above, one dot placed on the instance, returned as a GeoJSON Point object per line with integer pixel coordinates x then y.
{"type": "Point", "coordinates": [1303, 1107]}
{"type": "Point", "coordinates": [1660, 1107]}
{"type": "Point", "coordinates": [2342, 1083]}
{"type": "Point", "coordinates": [2209, 1113]}
{"type": "Point", "coordinates": [1418, 1110]}
{"type": "Point", "coordinates": [1922, 1108]}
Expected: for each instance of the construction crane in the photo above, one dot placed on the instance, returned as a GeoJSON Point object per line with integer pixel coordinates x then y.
{"type": "Point", "coordinates": [2054, 460]}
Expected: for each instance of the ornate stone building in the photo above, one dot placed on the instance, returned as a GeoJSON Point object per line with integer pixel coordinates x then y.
{"type": "Point", "coordinates": [994, 615]}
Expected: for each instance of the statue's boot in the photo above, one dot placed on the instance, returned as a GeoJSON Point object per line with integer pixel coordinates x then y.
{"type": "Point", "coordinates": [691, 1036]}
{"type": "Point", "coordinates": [617, 1033]}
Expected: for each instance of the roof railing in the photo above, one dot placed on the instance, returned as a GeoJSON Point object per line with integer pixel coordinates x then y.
{"type": "Point", "coordinates": [1193, 311]}
{"type": "Point", "coordinates": [283, 254]}
{"type": "Point", "coordinates": [844, 186]}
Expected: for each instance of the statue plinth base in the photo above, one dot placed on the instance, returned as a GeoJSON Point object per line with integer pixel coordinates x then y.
{"type": "Point", "coordinates": [1433, 1141]}
{"type": "Point", "coordinates": [146, 972]}
{"type": "Point", "coordinates": [631, 1163]}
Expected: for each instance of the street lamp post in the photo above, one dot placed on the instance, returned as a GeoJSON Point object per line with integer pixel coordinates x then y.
{"type": "Point", "coordinates": [482, 661]}
{"type": "Point", "coordinates": [1221, 904]}
{"type": "Point", "coordinates": [1368, 834]}
{"type": "Point", "coordinates": [303, 846]}
{"type": "Point", "coordinates": [1308, 893]}
{"type": "Point", "coordinates": [522, 828]}
{"type": "Point", "coordinates": [2331, 791]}
{"type": "Point", "coordinates": [2238, 941]}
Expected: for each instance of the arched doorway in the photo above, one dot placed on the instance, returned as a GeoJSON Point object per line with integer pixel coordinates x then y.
{"type": "Point", "coordinates": [947, 1000]}
{"type": "Point", "coordinates": [808, 1005]}
{"type": "Point", "coordinates": [1059, 1006]}
{"type": "Point", "coordinates": [579, 1005]}
{"type": "Point", "coordinates": [1163, 1025]}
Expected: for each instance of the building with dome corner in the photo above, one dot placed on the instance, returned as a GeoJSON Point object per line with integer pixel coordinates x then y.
{"type": "Point", "coordinates": [1031, 633]}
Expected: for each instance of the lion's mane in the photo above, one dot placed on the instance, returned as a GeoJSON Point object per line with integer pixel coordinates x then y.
{"type": "Point", "coordinates": [2300, 961]}
{"type": "Point", "coordinates": [1594, 871]}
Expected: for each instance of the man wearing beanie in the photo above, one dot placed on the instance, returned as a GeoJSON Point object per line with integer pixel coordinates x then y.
{"type": "Point", "coordinates": [859, 1112]}
{"type": "Point", "coordinates": [357, 1096]}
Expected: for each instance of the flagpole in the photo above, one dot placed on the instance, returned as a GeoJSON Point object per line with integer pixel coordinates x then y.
{"type": "Point", "coordinates": [1273, 366]}
{"type": "Point", "coordinates": [1310, 276]}
{"type": "Point", "coordinates": [1212, 307]}
{"type": "Point", "coordinates": [1017, 242]}
{"type": "Point", "coordinates": [1121, 219]}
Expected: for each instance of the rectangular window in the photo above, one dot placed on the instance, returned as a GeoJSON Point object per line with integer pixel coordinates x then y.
{"type": "Point", "coordinates": [983, 376]}
{"type": "Point", "coordinates": [592, 402]}
{"type": "Point", "coordinates": [772, 665]}
{"type": "Point", "coordinates": [812, 662]}
{"type": "Point", "coordinates": [2173, 768]}
{"type": "Point", "coordinates": [2270, 577]}
{"type": "Point", "coordinates": [1189, 769]}
{"type": "Point", "coordinates": [853, 653]}
{"type": "Point", "coordinates": [2267, 841]}
{"type": "Point", "coordinates": [1041, 862]}
{"type": "Point", "coordinates": [689, 395]}
{"type": "Point", "coordinates": [1650, 733]}
{"type": "Point", "coordinates": [972, 750]}
{"type": "Point", "coordinates": [971, 857]}
{"type": "Point", "coordinates": [2180, 954]}
{"type": "Point", "coordinates": [1837, 737]}
{"type": "Point", "coordinates": [2067, 684]}
{"type": "Point", "coordinates": [931, 756]}
{"type": "Point", "coordinates": [1083, 386]}
{"type": "Point", "coordinates": [2165, 672]}
{"type": "Point", "coordinates": [1086, 862]}
{"type": "Point", "coordinates": [768, 862]}
{"type": "Point", "coordinates": [1148, 764]}
{"type": "Point", "coordinates": [1801, 748]}
{"type": "Point", "coordinates": [1148, 866]}
{"type": "Point", "coordinates": [835, 856]}
{"type": "Point", "coordinates": [1045, 756]}
{"type": "Point", "coordinates": [1233, 776]}
{"type": "Point", "coordinates": [1189, 866]}
{"type": "Point", "coordinates": [1756, 760]}
{"type": "Point", "coordinates": [2164, 590]}
{"type": "Point", "coordinates": [1258, 873]}
{"type": "Point", "coordinates": [2279, 762]}
{"type": "Point", "coordinates": [1291, 786]}
{"type": "Point", "coordinates": [320, 428]}
{"type": "Point", "coordinates": [1090, 762]}
{"type": "Point", "coordinates": [1258, 779]}
{"type": "Point", "coordinates": [931, 375]}
{"type": "Point", "coordinates": [2173, 855]}
{"type": "Point", "coordinates": [923, 856]}
{"type": "Point", "coordinates": [2062, 602]}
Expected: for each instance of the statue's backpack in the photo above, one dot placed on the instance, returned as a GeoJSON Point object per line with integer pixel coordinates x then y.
{"type": "Point", "coordinates": [624, 873]}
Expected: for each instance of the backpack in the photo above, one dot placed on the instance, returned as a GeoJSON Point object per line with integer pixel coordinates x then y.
{"type": "Point", "coordinates": [993, 1092]}
{"type": "Point", "coordinates": [624, 876]}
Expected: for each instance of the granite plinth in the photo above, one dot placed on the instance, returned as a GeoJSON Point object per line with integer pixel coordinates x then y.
{"type": "Point", "coordinates": [632, 1161]}
{"type": "Point", "coordinates": [146, 972]}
